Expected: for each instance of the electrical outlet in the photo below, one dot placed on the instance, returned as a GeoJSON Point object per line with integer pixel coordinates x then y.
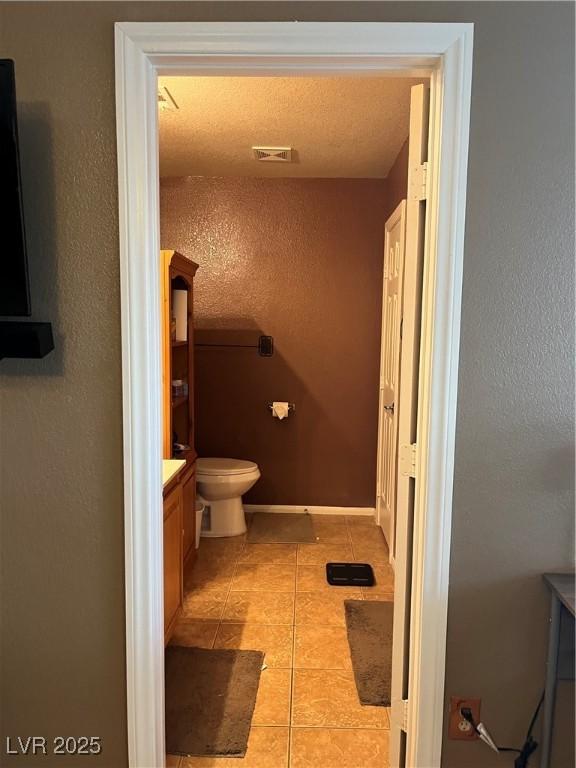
{"type": "Point", "coordinates": [458, 726]}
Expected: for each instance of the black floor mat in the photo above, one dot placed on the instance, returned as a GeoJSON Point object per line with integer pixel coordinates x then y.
{"type": "Point", "coordinates": [350, 574]}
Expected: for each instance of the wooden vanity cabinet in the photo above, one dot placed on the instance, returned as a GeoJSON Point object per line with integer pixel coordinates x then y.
{"type": "Point", "coordinates": [189, 514]}
{"type": "Point", "coordinates": [173, 560]}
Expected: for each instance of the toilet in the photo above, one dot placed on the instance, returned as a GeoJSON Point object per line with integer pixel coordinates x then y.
{"type": "Point", "coordinates": [221, 484]}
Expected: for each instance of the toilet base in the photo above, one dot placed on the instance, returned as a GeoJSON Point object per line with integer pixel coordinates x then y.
{"type": "Point", "coordinates": [224, 517]}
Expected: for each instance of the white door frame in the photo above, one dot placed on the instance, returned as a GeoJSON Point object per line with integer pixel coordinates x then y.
{"type": "Point", "coordinates": [146, 50]}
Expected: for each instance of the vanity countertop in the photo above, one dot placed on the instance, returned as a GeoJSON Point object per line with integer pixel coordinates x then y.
{"type": "Point", "coordinates": [170, 468]}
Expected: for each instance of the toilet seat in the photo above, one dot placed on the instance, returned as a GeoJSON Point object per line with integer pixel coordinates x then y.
{"type": "Point", "coordinates": [221, 483]}
{"type": "Point", "coordinates": [230, 467]}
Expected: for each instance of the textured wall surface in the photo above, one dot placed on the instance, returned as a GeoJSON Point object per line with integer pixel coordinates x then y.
{"type": "Point", "coordinates": [62, 559]}
{"type": "Point", "coordinates": [299, 260]}
{"type": "Point", "coordinates": [62, 523]}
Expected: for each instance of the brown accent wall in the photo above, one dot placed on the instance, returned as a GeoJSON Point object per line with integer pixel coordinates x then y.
{"type": "Point", "coordinates": [299, 260]}
{"type": "Point", "coordinates": [62, 544]}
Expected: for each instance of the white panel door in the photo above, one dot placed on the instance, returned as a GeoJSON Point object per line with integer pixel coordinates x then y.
{"type": "Point", "coordinates": [394, 235]}
{"type": "Point", "coordinates": [407, 408]}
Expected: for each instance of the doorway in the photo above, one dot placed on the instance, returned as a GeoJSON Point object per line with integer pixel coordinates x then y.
{"type": "Point", "coordinates": [291, 248]}
{"type": "Point", "coordinates": [146, 50]}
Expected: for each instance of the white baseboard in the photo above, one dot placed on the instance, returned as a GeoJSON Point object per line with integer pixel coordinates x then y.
{"type": "Point", "coordinates": [349, 511]}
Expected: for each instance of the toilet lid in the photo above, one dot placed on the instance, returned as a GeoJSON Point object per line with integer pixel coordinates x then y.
{"type": "Point", "coordinates": [224, 466]}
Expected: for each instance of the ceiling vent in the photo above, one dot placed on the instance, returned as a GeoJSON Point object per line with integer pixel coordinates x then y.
{"type": "Point", "coordinates": [166, 100]}
{"type": "Point", "coordinates": [273, 154]}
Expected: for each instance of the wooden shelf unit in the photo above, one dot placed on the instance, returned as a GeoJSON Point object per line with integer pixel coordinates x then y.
{"type": "Point", "coordinates": [178, 356]}
{"type": "Point", "coordinates": [177, 272]}
{"type": "Point", "coordinates": [179, 401]}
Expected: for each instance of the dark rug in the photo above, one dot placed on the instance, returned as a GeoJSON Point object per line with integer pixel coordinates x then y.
{"type": "Point", "coordinates": [369, 627]}
{"type": "Point", "coordinates": [281, 528]}
{"type": "Point", "coordinates": [210, 698]}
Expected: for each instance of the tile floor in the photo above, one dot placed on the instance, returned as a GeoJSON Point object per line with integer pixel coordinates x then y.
{"type": "Point", "coordinates": [275, 598]}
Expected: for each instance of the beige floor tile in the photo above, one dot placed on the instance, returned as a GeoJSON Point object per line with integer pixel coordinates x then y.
{"type": "Point", "coordinates": [369, 544]}
{"type": "Point", "coordinates": [221, 548]}
{"type": "Point", "coordinates": [310, 554]}
{"type": "Point", "coordinates": [222, 542]}
{"type": "Point", "coordinates": [388, 711]}
{"type": "Point", "coordinates": [312, 578]}
{"type": "Point", "coordinates": [327, 748]}
{"type": "Point", "coordinates": [209, 587]}
{"type": "Point", "coordinates": [328, 699]}
{"type": "Point", "coordinates": [384, 575]}
{"type": "Point", "coordinates": [267, 748]}
{"type": "Point", "coordinates": [321, 648]}
{"type": "Point", "coordinates": [173, 761]}
{"type": "Point", "coordinates": [218, 550]}
{"type": "Point", "coordinates": [363, 534]}
{"type": "Point", "coordinates": [210, 579]}
{"type": "Point", "coordinates": [203, 606]}
{"type": "Point", "coordinates": [323, 608]}
{"type": "Point", "coordinates": [375, 554]}
{"type": "Point", "coordinates": [384, 583]}
{"type": "Point", "coordinates": [274, 640]}
{"type": "Point", "coordinates": [195, 633]}
{"type": "Point", "coordinates": [382, 593]}
{"type": "Point", "coordinates": [269, 553]}
{"type": "Point", "coordinates": [263, 577]}
{"type": "Point", "coordinates": [355, 520]}
{"type": "Point", "coordinates": [327, 532]}
{"type": "Point", "coordinates": [259, 607]}
{"type": "Point", "coordinates": [206, 591]}
{"type": "Point", "coordinates": [335, 519]}
{"type": "Point", "coordinates": [219, 563]}
{"type": "Point", "coordinates": [366, 535]}
{"type": "Point", "coordinates": [273, 700]}
{"type": "Point", "coordinates": [210, 570]}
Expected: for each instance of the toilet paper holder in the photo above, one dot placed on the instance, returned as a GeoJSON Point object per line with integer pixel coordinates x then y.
{"type": "Point", "coordinates": [291, 407]}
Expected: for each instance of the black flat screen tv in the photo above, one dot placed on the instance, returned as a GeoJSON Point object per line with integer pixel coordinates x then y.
{"type": "Point", "coordinates": [14, 284]}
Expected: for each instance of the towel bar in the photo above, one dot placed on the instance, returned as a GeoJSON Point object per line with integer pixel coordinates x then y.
{"type": "Point", "coordinates": [265, 346]}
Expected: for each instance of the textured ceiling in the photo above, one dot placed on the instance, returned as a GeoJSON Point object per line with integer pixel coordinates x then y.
{"type": "Point", "coordinates": [338, 126]}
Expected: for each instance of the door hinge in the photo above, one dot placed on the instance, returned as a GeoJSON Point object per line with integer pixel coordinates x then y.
{"type": "Point", "coordinates": [419, 182]}
{"type": "Point", "coordinates": [399, 714]}
{"type": "Point", "coordinates": [404, 725]}
{"type": "Point", "coordinates": [408, 460]}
